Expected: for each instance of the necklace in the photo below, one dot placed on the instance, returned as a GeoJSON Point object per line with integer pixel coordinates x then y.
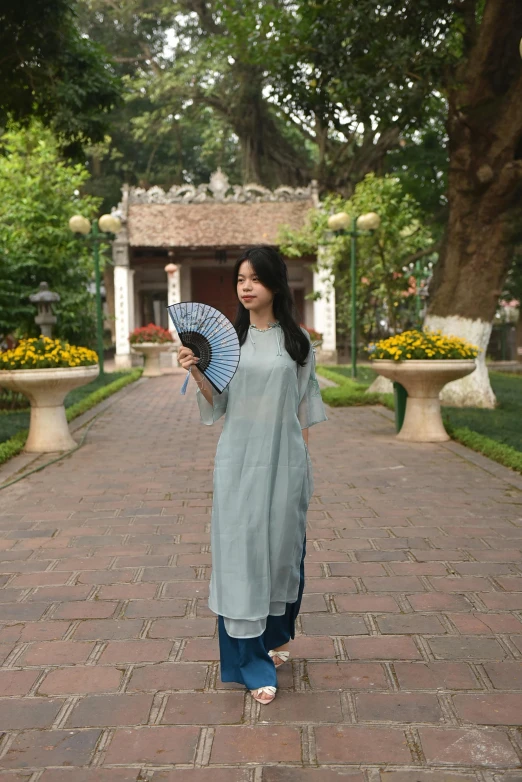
{"type": "Point", "coordinates": [270, 326]}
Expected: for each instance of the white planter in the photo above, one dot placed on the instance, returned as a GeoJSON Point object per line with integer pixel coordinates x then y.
{"type": "Point", "coordinates": [423, 380]}
{"type": "Point", "coordinates": [46, 390]}
{"type": "Point", "coordinates": [151, 353]}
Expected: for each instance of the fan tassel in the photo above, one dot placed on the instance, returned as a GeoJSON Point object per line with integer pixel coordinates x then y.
{"type": "Point", "coordinates": [185, 384]}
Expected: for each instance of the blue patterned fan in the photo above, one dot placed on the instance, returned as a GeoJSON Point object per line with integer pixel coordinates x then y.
{"type": "Point", "coordinates": [212, 338]}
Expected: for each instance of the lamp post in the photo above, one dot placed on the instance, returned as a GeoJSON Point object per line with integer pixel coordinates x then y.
{"type": "Point", "coordinates": [366, 223]}
{"type": "Point", "coordinates": [102, 230]}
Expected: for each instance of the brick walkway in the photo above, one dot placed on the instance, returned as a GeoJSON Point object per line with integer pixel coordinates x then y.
{"type": "Point", "coordinates": [408, 663]}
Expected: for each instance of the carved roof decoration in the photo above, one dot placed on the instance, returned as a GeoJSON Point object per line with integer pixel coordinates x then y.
{"type": "Point", "coordinates": [219, 190]}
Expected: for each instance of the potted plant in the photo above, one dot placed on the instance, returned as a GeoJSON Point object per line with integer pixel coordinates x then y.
{"type": "Point", "coordinates": [423, 362]}
{"type": "Point", "coordinates": [45, 370]}
{"type": "Point", "coordinates": [150, 341]}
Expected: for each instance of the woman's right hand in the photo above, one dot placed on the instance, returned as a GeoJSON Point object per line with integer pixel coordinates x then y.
{"type": "Point", "coordinates": [186, 358]}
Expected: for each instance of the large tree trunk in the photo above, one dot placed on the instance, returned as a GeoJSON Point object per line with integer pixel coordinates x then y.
{"type": "Point", "coordinates": [267, 155]}
{"type": "Point", "coordinates": [473, 266]}
{"type": "Point", "coordinates": [484, 189]}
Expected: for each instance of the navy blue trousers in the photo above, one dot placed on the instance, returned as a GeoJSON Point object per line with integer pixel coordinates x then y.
{"type": "Point", "coordinates": [246, 660]}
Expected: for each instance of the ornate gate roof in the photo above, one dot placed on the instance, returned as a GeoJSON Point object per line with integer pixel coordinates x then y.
{"type": "Point", "coordinates": [216, 214]}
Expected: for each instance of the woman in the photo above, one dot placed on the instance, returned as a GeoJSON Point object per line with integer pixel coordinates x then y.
{"type": "Point", "coordinates": [262, 475]}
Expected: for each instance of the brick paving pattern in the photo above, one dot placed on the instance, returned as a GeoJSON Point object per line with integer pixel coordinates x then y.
{"type": "Point", "coordinates": [407, 666]}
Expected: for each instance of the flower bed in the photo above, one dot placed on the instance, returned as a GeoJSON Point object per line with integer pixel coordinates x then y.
{"type": "Point", "coordinates": [419, 345]}
{"type": "Point", "coordinates": [46, 353]}
{"type": "Point", "coordinates": [150, 334]}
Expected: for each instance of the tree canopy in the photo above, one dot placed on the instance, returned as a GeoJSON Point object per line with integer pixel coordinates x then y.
{"type": "Point", "coordinates": [39, 192]}
{"type": "Point", "coordinates": [273, 92]}
{"type": "Point", "coordinates": [386, 286]}
{"type": "Point", "coordinates": [50, 71]}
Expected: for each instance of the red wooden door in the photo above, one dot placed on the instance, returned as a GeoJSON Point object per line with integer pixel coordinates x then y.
{"type": "Point", "coordinates": [215, 287]}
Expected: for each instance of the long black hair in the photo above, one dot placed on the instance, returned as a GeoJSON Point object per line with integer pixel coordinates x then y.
{"type": "Point", "coordinates": [273, 274]}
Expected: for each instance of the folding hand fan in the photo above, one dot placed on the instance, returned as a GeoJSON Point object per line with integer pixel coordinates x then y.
{"type": "Point", "coordinates": [212, 338]}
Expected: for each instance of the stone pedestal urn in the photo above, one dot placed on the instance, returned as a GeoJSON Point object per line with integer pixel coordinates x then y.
{"type": "Point", "coordinates": [151, 353]}
{"type": "Point", "coordinates": [423, 379]}
{"type": "Point", "coordinates": [46, 390]}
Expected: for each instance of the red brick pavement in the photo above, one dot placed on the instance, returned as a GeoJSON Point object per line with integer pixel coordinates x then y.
{"type": "Point", "coordinates": [408, 662]}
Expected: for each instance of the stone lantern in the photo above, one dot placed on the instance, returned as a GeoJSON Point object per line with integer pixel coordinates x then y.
{"type": "Point", "coordinates": [44, 300]}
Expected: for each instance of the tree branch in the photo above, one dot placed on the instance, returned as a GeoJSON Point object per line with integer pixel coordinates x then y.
{"type": "Point", "coordinates": [138, 58]}
{"type": "Point", "coordinates": [494, 61]}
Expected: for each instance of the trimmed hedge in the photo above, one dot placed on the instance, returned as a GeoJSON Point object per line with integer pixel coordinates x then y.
{"type": "Point", "coordinates": [15, 444]}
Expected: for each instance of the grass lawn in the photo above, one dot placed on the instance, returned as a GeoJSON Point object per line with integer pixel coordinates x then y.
{"type": "Point", "coordinates": [365, 375]}
{"type": "Point", "coordinates": [15, 421]}
{"type": "Point", "coordinates": [504, 424]}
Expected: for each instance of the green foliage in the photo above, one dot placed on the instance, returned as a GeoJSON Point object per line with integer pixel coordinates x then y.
{"type": "Point", "coordinates": [420, 161]}
{"type": "Point", "coordinates": [159, 135]}
{"type": "Point", "coordinates": [13, 426]}
{"type": "Point", "coordinates": [261, 89]}
{"type": "Point", "coordinates": [39, 192]}
{"type": "Point", "coordinates": [386, 293]}
{"type": "Point", "coordinates": [13, 446]}
{"type": "Point", "coordinates": [50, 71]}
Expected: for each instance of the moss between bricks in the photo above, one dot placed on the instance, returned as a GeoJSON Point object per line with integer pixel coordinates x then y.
{"type": "Point", "coordinates": [349, 393]}
{"type": "Point", "coordinates": [15, 444]}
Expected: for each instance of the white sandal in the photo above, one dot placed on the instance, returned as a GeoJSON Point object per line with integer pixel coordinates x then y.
{"type": "Point", "coordinates": [282, 654]}
{"type": "Point", "coordinates": [269, 690]}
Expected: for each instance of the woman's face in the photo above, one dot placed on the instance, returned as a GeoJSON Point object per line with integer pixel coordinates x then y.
{"type": "Point", "coordinates": [250, 290]}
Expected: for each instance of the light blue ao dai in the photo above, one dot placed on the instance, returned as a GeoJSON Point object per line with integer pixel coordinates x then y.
{"type": "Point", "coordinates": [263, 481]}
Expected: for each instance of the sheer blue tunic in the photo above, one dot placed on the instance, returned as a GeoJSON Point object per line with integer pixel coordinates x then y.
{"type": "Point", "coordinates": [262, 481]}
